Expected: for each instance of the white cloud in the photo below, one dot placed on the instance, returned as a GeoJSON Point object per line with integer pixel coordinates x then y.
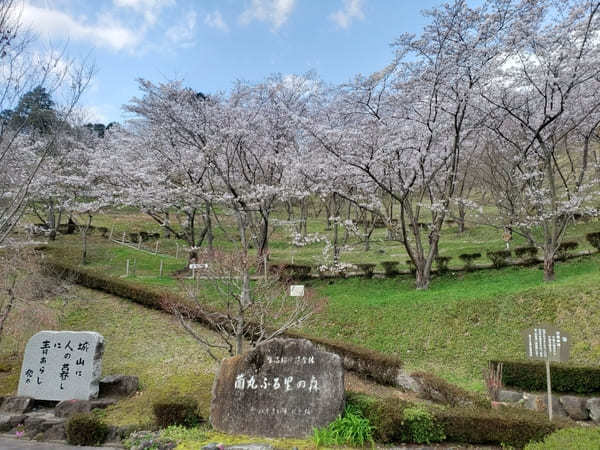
{"type": "Point", "coordinates": [352, 10]}
{"type": "Point", "coordinates": [274, 11]}
{"type": "Point", "coordinates": [215, 20]}
{"type": "Point", "coordinates": [150, 9]}
{"type": "Point", "coordinates": [183, 33]}
{"type": "Point", "coordinates": [105, 32]}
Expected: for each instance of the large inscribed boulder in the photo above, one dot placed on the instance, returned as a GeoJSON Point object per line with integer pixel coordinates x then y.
{"type": "Point", "coordinates": [62, 365]}
{"type": "Point", "coordinates": [282, 388]}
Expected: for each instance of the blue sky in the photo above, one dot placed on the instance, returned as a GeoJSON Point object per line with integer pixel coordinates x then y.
{"type": "Point", "coordinates": [211, 43]}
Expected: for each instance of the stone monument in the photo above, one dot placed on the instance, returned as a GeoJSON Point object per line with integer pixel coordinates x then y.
{"type": "Point", "coordinates": [283, 388]}
{"type": "Point", "coordinates": [62, 365]}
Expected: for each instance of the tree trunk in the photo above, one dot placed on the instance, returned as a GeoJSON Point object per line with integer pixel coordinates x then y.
{"type": "Point", "coordinates": [84, 232]}
{"type": "Point", "coordinates": [239, 335]}
{"type": "Point", "coordinates": [303, 216]}
{"type": "Point", "coordinates": [209, 233]}
{"type": "Point", "coordinates": [462, 212]}
{"type": "Point", "coordinates": [422, 278]}
{"type": "Point", "coordinates": [51, 222]}
{"type": "Point", "coordinates": [548, 266]}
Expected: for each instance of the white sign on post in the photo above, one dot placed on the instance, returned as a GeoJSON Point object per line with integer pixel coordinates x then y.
{"type": "Point", "coordinates": [547, 343]}
{"type": "Point", "coordinates": [297, 290]}
{"type": "Point", "coordinates": [198, 266]}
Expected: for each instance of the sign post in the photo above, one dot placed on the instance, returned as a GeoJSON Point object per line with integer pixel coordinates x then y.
{"type": "Point", "coordinates": [297, 290]}
{"type": "Point", "coordinates": [546, 342]}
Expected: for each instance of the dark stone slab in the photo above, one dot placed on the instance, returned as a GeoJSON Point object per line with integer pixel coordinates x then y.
{"type": "Point", "coordinates": [283, 388]}
{"type": "Point", "coordinates": [575, 407]}
{"type": "Point", "coordinates": [67, 408]}
{"type": "Point", "coordinates": [16, 405]}
{"type": "Point", "coordinates": [507, 396]}
{"type": "Point", "coordinates": [118, 386]}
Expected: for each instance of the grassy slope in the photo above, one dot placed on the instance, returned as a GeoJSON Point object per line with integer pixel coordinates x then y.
{"type": "Point", "coordinates": [452, 329]}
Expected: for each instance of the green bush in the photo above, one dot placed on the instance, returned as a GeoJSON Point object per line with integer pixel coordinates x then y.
{"type": "Point", "coordinates": [420, 426]}
{"type": "Point", "coordinates": [499, 258]}
{"type": "Point", "coordinates": [442, 264]}
{"type": "Point", "coordinates": [468, 259]}
{"type": "Point", "coordinates": [512, 426]}
{"type": "Point", "coordinates": [531, 376]}
{"type": "Point", "coordinates": [564, 248]}
{"type": "Point", "coordinates": [103, 231]}
{"type": "Point", "coordinates": [295, 271]}
{"type": "Point", "coordinates": [390, 268]}
{"type": "Point", "coordinates": [527, 254]}
{"type": "Point", "coordinates": [86, 429]}
{"type": "Point", "coordinates": [350, 429]}
{"type": "Point", "coordinates": [134, 237]}
{"type": "Point", "coordinates": [384, 414]}
{"type": "Point", "coordinates": [439, 390]}
{"type": "Point", "coordinates": [594, 239]}
{"type": "Point", "coordinates": [569, 439]}
{"type": "Point", "coordinates": [367, 269]}
{"type": "Point", "coordinates": [176, 411]}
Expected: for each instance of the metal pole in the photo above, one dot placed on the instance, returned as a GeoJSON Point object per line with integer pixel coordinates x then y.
{"type": "Point", "coordinates": [549, 387]}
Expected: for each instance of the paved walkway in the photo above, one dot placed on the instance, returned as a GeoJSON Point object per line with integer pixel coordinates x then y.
{"type": "Point", "coordinates": [9, 443]}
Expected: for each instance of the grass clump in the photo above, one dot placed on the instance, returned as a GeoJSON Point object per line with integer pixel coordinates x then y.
{"type": "Point", "coordinates": [350, 429]}
{"type": "Point", "coordinates": [86, 429]}
{"type": "Point", "coordinates": [569, 439]}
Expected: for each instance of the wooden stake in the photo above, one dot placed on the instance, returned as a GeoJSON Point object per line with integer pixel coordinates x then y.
{"type": "Point", "coordinates": [112, 229]}
{"type": "Point", "coordinates": [156, 248]}
{"type": "Point", "coordinates": [127, 269]}
{"type": "Point", "coordinates": [139, 242]}
{"type": "Point", "coordinates": [134, 264]}
{"type": "Point", "coordinates": [123, 237]}
{"type": "Point", "coordinates": [177, 251]}
{"type": "Point", "coordinates": [161, 268]}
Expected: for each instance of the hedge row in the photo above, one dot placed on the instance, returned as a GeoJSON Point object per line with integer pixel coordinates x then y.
{"type": "Point", "coordinates": [379, 367]}
{"type": "Point", "coordinates": [531, 376]}
{"type": "Point", "coordinates": [508, 426]}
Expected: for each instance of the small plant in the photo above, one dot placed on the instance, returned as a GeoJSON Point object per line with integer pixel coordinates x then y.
{"type": "Point", "coordinates": [499, 258]}
{"type": "Point", "coordinates": [420, 427]}
{"type": "Point", "coordinates": [350, 429]}
{"type": "Point", "coordinates": [527, 254]}
{"type": "Point", "coordinates": [176, 411]}
{"type": "Point", "coordinates": [564, 248]}
{"type": "Point", "coordinates": [594, 239]}
{"type": "Point", "coordinates": [492, 376]}
{"type": "Point", "coordinates": [367, 269]}
{"type": "Point", "coordinates": [442, 264]}
{"type": "Point", "coordinates": [86, 429]}
{"type": "Point", "coordinates": [390, 268]}
{"type": "Point", "coordinates": [20, 431]}
{"type": "Point", "coordinates": [468, 259]}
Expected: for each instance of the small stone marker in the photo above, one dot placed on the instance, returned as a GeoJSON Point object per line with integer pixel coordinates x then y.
{"type": "Point", "coordinates": [283, 388]}
{"type": "Point", "coordinates": [546, 342]}
{"type": "Point", "coordinates": [62, 365]}
{"type": "Point", "coordinates": [297, 290]}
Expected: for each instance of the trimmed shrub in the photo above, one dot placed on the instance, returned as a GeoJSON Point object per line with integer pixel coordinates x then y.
{"type": "Point", "coordinates": [439, 390]}
{"type": "Point", "coordinates": [384, 414]}
{"type": "Point", "coordinates": [411, 266]}
{"type": "Point", "coordinates": [86, 429]}
{"type": "Point", "coordinates": [390, 268]}
{"type": "Point", "coordinates": [350, 429]}
{"type": "Point", "coordinates": [295, 271]}
{"type": "Point", "coordinates": [594, 239]}
{"type": "Point", "coordinates": [512, 426]}
{"type": "Point", "coordinates": [564, 248]}
{"type": "Point", "coordinates": [134, 237]}
{"type": "Point", "coordinates": [103, 231]}
{"type": "Point", "coordinates": [144, 236]}
{"type": "Point", "coordinates": [367, 269]}
{"type": "Point", "coordinates": [442, 264]}
{"type": "Point", "coordinates": [569, 439]}
{"type": "Point", "coordinates": [420, 426]}
{"type": "Point", "coordinates": [527, 254]}
{"type": "Point", "coordinates": [468, 259]}
{"type": "Point", "coordinates": [176, 411]}
{"type": "Point", "coordinates": [531, 376]}
{"type": "Point", "coordinates": [499, 258]}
